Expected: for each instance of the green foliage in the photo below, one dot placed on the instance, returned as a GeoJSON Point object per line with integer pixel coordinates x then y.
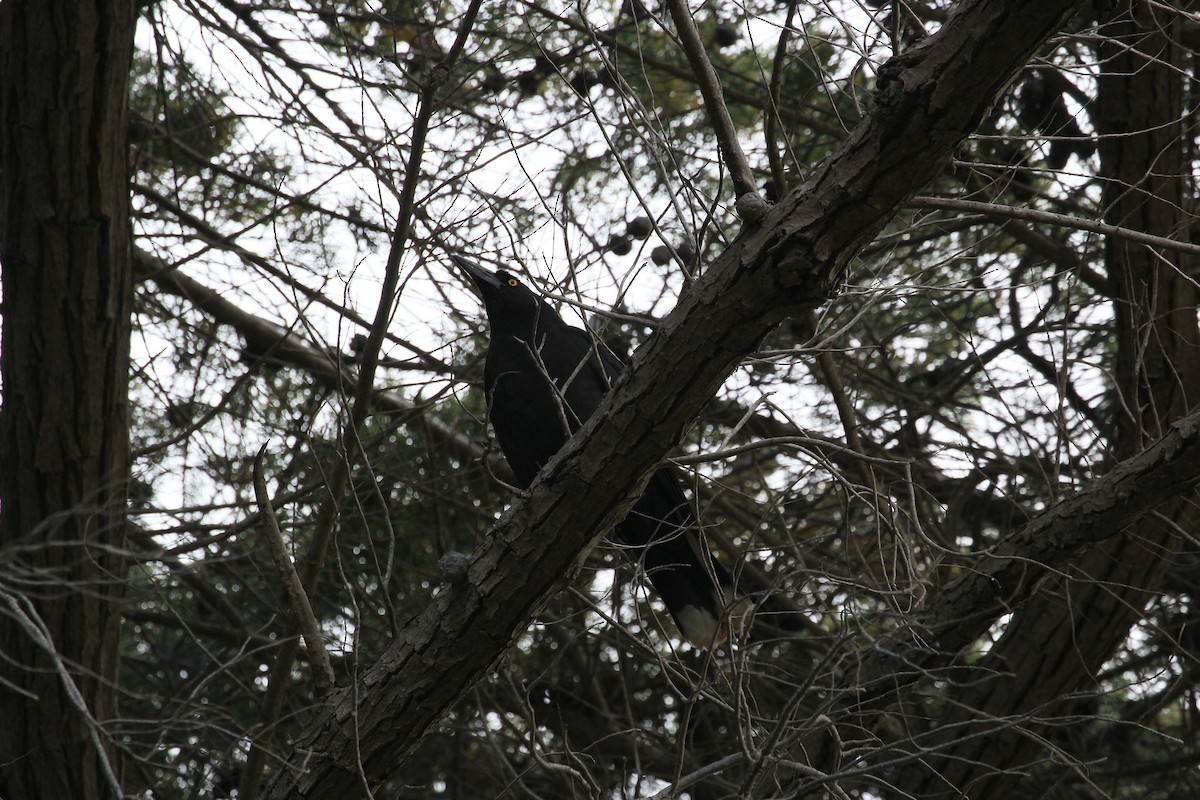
{"type": "Point", "coordinates": [868, 454]}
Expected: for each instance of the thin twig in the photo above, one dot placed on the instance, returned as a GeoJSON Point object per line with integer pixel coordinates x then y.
{"type": "Point", "coordinates": [720, 765]}
{"type": "Point", "coordinates": [1050, 218]}
{"type": "Point", "coordinates": [36, 629]}
{"type": "Point", "coordinates": [369, 358]}
{"type": "Point", "coordinates": [297, 598]}
{"type": "Point", "coordinates": [771, 117]}
{"type": "Point", "coordinates": [215, 238]}
{"type": "Point", "coordinates": [718, 114]}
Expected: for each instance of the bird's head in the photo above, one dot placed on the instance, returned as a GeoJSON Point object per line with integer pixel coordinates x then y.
{"type": "Point", "coordinates": [507, 299]}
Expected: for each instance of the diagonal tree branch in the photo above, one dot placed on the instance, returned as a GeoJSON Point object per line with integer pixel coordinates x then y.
{"type": "Point", "coordinates": [928, 101]}
{"type": "Point", "coordinates": [718, 114]}
{"type": "Point", "coordinates": [962, 612]}
{"type": "Point", "coordinates": [329, 368]}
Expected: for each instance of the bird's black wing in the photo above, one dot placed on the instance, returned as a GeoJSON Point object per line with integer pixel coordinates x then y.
{"type": "Point", "coordinates": [694, 586]}
{"type": "Point", "coordinates": [605, 363]}
{"type": "Point", "coordinates": [541, 392]}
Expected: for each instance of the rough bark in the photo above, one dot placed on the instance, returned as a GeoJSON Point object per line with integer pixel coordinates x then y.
{"type": "Point", "coordinates": [993, 732]}
{"type": "Point", "coordinates": [927, 102]}
{"type": "Point", "coordinates": [64, 250]}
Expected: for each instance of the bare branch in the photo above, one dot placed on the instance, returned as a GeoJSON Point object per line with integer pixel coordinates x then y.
{"type": "Point", "coordinates": [1050, 218]}
{"type": "Point", "coordinates": [323, 676]}
{"type": "Point", "coordinates": [744, 187]}
{"type": "Point", "coordinates": [792, 261]}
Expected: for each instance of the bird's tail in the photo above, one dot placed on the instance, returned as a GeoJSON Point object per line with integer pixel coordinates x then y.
{"type": "Point", "coordinates": [696, 589]}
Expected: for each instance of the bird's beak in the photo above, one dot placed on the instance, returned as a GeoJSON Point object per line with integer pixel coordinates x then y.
{"type": "Point", "coordinates": [483, 278]}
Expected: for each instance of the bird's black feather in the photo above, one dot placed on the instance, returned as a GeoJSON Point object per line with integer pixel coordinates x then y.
{"type": "Point", "coordinates": [543, 380]}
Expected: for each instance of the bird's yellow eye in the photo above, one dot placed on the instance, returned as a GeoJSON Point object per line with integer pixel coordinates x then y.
{"type": "Point", "coordinates": [513, 281]}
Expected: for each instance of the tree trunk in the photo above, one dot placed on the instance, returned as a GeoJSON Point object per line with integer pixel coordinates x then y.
{"type": "Point", "coordinates": [1000, 718]}
{"type": "Point", "coordinates": [64, 255]}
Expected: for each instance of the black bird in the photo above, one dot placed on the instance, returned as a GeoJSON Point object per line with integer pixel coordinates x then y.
{"type": "Point", "coordinates": [543, 379]}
